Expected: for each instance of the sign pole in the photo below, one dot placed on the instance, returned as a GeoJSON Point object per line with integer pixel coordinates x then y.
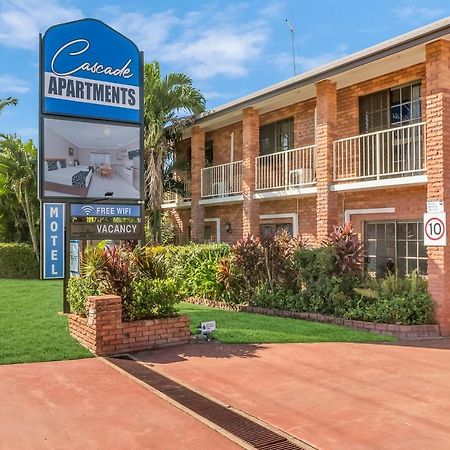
{"type": "Point", "coordinates": [67, 219]}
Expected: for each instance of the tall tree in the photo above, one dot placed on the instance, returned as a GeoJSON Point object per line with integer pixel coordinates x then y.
{"type": "Point", "coordinates": [4, 102]}
{"type": "Point", "coordinates": [166, 98]}
{"type": "Point", "coordinates": [18, 163]}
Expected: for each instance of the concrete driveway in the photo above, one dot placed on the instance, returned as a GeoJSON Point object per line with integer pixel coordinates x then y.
{"type": "Point", "coordinates": [87, 404]}
{"type": "Point", "coordinates": [331, 395]}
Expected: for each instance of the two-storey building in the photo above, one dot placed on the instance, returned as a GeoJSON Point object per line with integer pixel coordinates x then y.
{"type": "Point", "coordinates": [364, 139]}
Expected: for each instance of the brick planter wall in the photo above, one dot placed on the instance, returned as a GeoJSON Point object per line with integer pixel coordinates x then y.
{"type": "Point", "coordinates": [104, 333]}
{"type": "Point", "coordinates": [399, 331]}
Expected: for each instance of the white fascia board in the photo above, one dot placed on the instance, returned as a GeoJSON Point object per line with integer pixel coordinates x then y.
{"type": "Point", "coordinates": [221, 200]}
{"type": "Point", "coordinates": [296, 192]}
{"type": "Point", "coordinates": [380, 184]}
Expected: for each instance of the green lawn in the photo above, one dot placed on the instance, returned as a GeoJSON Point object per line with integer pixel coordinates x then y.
{"type": "Point", "coordinates": [30, 328]}
{"type": "Point", "coordinates": [246, 328]}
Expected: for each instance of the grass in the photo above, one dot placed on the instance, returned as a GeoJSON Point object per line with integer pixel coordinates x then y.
{"type": "Point", "coordinates": [246, 328]}
{"type": "Point", "coordinates": [30, 328]}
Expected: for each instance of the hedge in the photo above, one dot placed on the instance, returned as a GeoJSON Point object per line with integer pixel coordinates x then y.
{"type": "Point", "coordinates": [18, 261]}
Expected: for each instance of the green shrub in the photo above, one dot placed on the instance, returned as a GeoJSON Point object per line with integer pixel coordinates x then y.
{"type": "Point", "coordinates": [255, 262]}
{"type": "Point", "coordinates": [322, 290]}
{"type": "Point", "coordinates": [195, 266]}
{"type": "Point", "coordinates": [18, 261]}
{"type": "Point", "coordinates": [278, 298]}
{"type": "Point", "coordinates": [394, 300]}
{"type": "Point", "coordinates": [78, 290]}
{"type": "Point", "coordinates": [153, 299]}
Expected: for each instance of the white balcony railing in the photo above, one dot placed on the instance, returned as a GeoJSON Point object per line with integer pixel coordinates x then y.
{"type": "Point", "coordinates": [176, 197]}
{"type": "Point", "coordinates": [286, 170]}
{"type": "Point", "coordinates": [223, 180]}
{"type": "Point", "coordinates": [395, 152]}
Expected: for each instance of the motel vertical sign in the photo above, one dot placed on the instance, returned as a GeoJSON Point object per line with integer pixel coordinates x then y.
{"type": "Point", "coordinates": [53, 240]}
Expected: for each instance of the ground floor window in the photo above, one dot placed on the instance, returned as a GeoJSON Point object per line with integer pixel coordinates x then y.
{"type": "Point", "coordinates": [395, 247]}
{"type": "Point", "coordinates": [270, 229]}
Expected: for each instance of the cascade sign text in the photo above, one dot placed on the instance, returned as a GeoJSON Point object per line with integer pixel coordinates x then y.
{"type": "Point", "coordinates": [90, 70]}
{"type": "Point", "coordinates": [53, 242]}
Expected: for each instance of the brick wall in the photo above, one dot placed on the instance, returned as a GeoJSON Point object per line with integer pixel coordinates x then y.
{"type": "Point", "coordinates": [438, 170]}
{"type": "Point", "coordinates": [228, 214]}
{"type": "Point", "coordinates": [348, 103]}
{"type": "Point", "coordinates": [325, 135]}
{"type": "Point", "coordinates": [198, 163]}
{"type": "Point", "coordinates": [222, 143]}
{"type": "Point", "coordinates": [250, 142]}
{"type": "Point", "coordinates": [104, 333]}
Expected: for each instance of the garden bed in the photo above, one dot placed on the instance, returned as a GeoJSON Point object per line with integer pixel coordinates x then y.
{"type": "Point", "coordinates": [103, 332]}
{"type": "Point", "coordinates": [396, 330]}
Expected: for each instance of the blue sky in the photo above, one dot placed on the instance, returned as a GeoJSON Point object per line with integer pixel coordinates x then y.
{"type": "Point", "coordinates": [229, 48]}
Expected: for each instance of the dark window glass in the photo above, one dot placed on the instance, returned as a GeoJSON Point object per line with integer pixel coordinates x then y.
{"type": "Point", "coordinates": [276, 137]}
{"type": "Point", "coordinates": [395, 247]}
{"type": "Point", "coordinates": [209, 153]}
{"type": "Point", "coordinates": [373, 112]}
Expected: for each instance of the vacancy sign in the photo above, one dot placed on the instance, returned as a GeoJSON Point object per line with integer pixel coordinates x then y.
{"type": "Point", "coordinates": [53, 241]}
{"type": "Point", "coordinates": [435, 229]}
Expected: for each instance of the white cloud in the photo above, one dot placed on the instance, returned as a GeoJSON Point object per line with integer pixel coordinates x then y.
{"type": "Point", "coordinates": [10, 85]}
{"type": "Point", "coordinates": [417, 14]}
{"type": "Point", "coordinates": [22, 20]}
{"type": "Point", "coordinates": [205, 43]}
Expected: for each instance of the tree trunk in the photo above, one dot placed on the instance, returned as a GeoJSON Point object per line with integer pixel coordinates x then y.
{"type": "Point", "coordinates": [31, 225]}
{"type": "Point", "coordinates": [154, 190]}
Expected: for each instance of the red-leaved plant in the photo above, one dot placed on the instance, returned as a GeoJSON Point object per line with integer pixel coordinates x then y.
{"type": "Point", "coordinates": [349, 249]}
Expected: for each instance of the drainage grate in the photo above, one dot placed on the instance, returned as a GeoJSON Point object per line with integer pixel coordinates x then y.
{"type": "Point", "coordinates": [242, 427]}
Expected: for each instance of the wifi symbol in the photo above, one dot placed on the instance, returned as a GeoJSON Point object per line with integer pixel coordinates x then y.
{"type": "Point", "coordinates": [87, 209]}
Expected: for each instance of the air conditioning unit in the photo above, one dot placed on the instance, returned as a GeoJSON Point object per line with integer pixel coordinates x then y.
{"type": "Point", "coordinates": [218, 188]}
{"type": "Point", "coordinates": [297, 177]}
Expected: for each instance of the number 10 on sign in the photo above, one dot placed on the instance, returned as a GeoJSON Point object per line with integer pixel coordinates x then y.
{"type": "Point", "coordinates": [435, 229]}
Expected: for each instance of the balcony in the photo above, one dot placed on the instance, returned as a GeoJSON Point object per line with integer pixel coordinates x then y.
{"type": "Point", "coordinates": [384, 158]}
{"type": "Point", "coordinates": [287, 171]}
{"type": "Point", "coordinates": [223, 181]}
{"type": "Point", "coordinates": [182, 196]}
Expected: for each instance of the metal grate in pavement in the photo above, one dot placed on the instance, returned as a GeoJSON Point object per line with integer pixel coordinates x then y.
{"type": "Point", "coordinates": [251, 432]}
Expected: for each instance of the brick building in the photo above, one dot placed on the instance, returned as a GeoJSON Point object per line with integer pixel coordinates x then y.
{"type": "Point", "coordinates": [365, 139]}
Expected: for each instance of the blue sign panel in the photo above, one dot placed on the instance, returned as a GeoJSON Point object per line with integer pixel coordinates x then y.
{"type": "Point", "coordinates": [105, 210]}
{"type": "Point", "coordinates": [53, 245]}
{"type": "Point", "coordinates": [90, 70]}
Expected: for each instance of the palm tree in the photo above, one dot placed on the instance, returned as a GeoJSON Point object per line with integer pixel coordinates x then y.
{"type": "Point", "coordinates": [165, 99]}
{"type": "Point", "coordinates": [18, 178]}
{"type": "Point", "coordinates": [7, 102]}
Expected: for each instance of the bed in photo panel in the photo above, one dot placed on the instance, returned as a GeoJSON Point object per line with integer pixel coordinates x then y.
{"type": "Point", "coordinates": [95, 160]}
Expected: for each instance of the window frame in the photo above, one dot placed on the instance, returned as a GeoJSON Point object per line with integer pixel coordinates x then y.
{"type": "Point", "coordinates": [397, 240]}
{"type": "Point", "coordinates": [389, 106]}
{"type": "Point", "coordinates": [277, 133]}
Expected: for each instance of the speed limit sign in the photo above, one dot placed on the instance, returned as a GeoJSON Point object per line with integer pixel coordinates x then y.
{"type": "Point", "coordinates": [435, 229]}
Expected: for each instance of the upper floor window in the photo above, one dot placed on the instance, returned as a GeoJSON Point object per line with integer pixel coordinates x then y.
{"type": "Point", "coordinates": [390, 108]}
{"type": "Point", "coordinates": [276, 137]}
{"type": "Point", "coordinates": [209, 153]}
{"type": "Point", "coordinates": [406, 105]}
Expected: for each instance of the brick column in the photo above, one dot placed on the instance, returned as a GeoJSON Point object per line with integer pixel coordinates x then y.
{"type": "Point", "coordinates": [438, 170]}
{"type": "Point", "coordinates": [197, 164]}
{"type": "Point", "coordinates": [325, 134]}
{"type": "Point", "coordinates": [250, 141]}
